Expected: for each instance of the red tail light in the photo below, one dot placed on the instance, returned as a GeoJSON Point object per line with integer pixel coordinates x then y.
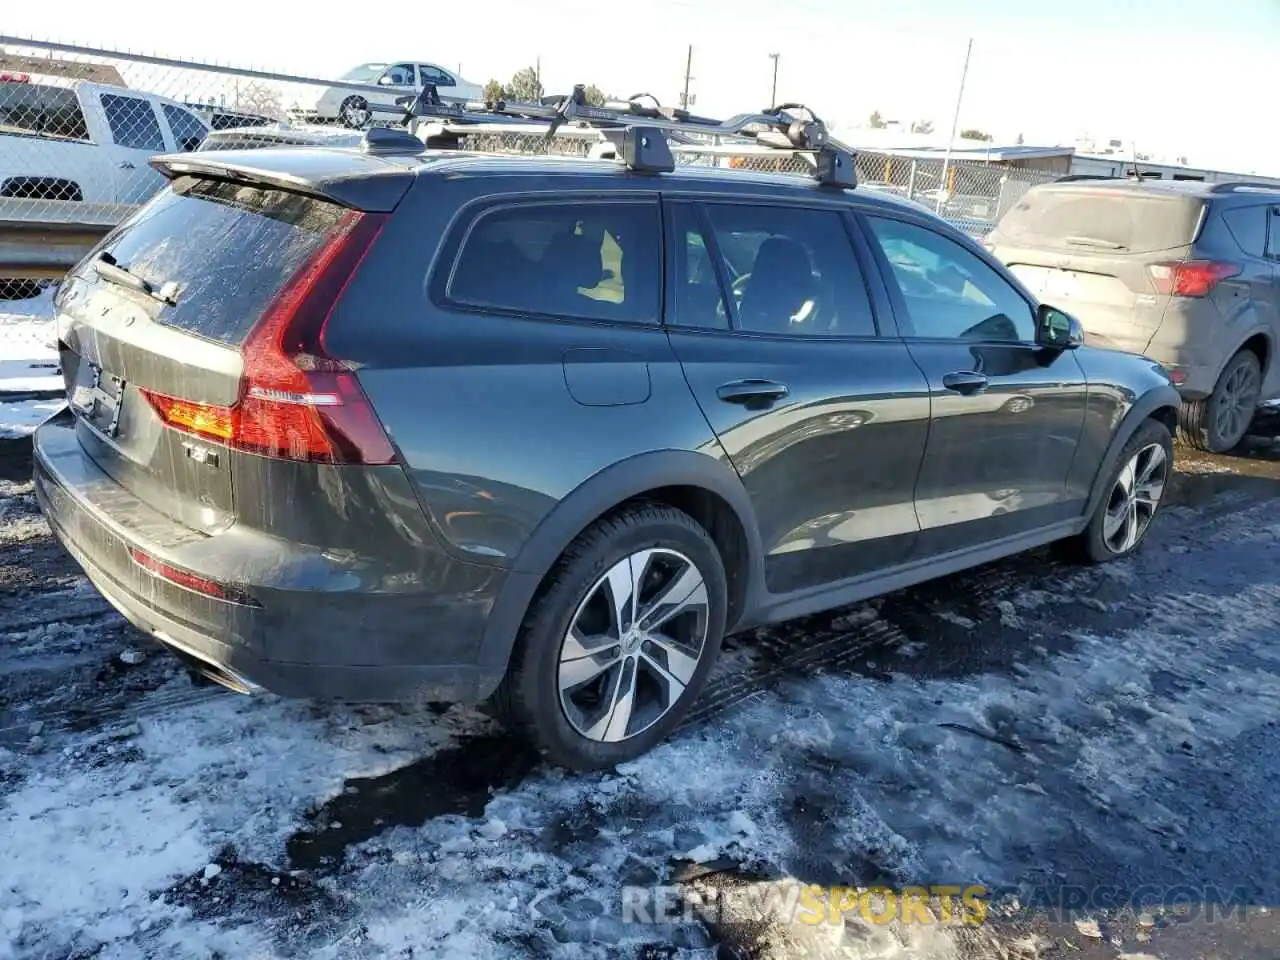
{"type": "Point", "coordinates": [297, 403]}
{"type": "Point", "coordinates": [1191, 278]}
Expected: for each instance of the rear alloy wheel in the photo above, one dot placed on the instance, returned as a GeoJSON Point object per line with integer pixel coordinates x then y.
{"type": "Point", "coordinates": [1218, 423]}
{"type": "Point", "coordinates": [1133, 496]}
{"type": "Point", "coordinates": [354, 112]}
{"type": "Point", "coordinates": [619, 642]}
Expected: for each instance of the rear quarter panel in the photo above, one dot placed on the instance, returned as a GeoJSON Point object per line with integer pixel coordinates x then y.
{"type": "Point", "coordinates": [478, 404]}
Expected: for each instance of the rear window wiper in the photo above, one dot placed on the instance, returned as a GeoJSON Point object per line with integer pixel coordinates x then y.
{"type": "Point", "coordinates": [1095, 242]}
{"type": "Point", "coordinates": [111, 271]}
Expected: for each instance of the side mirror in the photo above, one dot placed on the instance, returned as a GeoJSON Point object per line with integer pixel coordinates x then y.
{"type": "Point", "coordinates": [386, 81]}
{"type": "Point", "coordinates": [1058, 330]}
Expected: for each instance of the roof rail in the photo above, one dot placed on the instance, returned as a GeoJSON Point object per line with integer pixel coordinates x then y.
{"type": "Point", "coordinates": [787, 129]}
{"type": "Point", "coordinates": [1234, 186]}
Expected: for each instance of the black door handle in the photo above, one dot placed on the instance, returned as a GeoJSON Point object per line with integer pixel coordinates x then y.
{"type": "Point", "coordinates": [752, 391]}
{"type": "Point", "coordinates": [965, 382]}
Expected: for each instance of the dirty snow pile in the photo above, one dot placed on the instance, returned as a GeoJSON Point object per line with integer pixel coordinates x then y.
{"type": "Point", "coordinates": [29, 378]}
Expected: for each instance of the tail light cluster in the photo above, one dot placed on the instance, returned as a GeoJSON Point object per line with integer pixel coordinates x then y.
{"type": "Point", "coordinates": [296, 402]}
{"type": "Point", "coordinates": [1191, 278]}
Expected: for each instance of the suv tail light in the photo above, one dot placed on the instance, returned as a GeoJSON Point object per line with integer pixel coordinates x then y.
{"type": "Point", "coordinates": [296, 402]}
{"type": "Point", "coordinates": [1191, 278]}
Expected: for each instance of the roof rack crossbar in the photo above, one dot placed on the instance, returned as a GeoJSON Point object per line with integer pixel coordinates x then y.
{"type": "Point", "coordinates": [788, 128]}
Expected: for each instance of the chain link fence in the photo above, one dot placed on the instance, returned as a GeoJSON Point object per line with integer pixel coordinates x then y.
{"type": "Point", "coordinates": [78, 126]}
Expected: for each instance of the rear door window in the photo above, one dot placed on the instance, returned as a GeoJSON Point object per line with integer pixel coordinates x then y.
{"type": "Point", "coordinates": [229, 247]}
{"type": "Point", "coordinates": [188, 131]}
{"type": "Point", "coordinates": [133, 122]}
{"type": "Point", "coordinates": [42, 110]}
{"type": "Point", "coordinates": [591, 261]}
{"type": "Point", "coordinates": [435, 75]}
{"type": "Point", "coordinates": [1117, 221]}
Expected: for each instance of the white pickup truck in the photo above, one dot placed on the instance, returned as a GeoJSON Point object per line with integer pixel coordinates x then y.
{"type": "Point", "coordinates": [88, 142]}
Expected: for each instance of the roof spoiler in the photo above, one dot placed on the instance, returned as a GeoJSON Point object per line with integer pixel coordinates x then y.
{"type": "Point", "coordinates": [348, 179]}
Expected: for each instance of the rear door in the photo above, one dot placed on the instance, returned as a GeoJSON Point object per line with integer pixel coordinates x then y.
{"type": "Point", "coordinates": [1088, 251]}
{"type": "Point", "coordinates": [822, 412]}
{"type": "Point", "coordinates": [136, 137]}
{"type": "Point", "coordinates": [1006, 415]}
{"type": "Point", "coordinates": [227, 249]}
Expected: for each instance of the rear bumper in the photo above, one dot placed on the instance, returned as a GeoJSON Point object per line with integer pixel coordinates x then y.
{"type": "Point", "coordinates": [318, 626]}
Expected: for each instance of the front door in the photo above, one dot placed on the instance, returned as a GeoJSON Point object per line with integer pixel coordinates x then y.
{"type": "Point", "coordinates": [823, 417]}
{"type": "Point", "coordinates": [1007, 415]}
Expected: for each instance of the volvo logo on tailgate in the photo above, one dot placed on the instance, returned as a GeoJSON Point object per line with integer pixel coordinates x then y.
{"type": "Point", "coordinates": [98, 400]}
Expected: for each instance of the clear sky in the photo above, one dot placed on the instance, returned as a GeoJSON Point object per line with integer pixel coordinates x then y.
{"type": "Point", "coordinates": [1173, 76]}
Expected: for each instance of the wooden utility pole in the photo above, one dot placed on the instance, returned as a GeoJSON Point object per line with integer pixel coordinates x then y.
{"type": "Point", "coordinates": [688, 75]}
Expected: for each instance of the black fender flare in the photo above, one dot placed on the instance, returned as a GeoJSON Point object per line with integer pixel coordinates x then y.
{"type": "Point", "coordinates": [595, 497]}
{"type": "Point", "coordinates": [1141, 411]}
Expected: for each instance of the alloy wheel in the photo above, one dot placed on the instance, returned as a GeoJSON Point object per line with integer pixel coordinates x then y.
{"type": "Point", "coordinates": [633, 645]}
{"type": "Point", "coordinates": [1135, 498]}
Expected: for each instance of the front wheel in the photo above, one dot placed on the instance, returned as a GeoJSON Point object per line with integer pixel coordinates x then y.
{"type": "Point", "coordinates": [1135, 491]}
{"type": "Point", "coordinates": [618, 643]}
{"type": "Point", "coordinates": [354, 112]}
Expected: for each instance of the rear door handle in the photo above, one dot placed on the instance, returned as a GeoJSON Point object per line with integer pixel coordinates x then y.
{"type": "Point", "coordinates": [752, 391]}
{"type": "Point", "coordinates": [965, 382]}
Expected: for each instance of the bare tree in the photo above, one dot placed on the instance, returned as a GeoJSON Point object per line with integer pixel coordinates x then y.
{"type": "Point", "coordinates": [259, 98]}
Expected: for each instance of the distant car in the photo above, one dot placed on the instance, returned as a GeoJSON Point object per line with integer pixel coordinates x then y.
{"type": "Point", "coordinates": [401, 79]}
{"type": "Point", "coordinates": [1181, 271]}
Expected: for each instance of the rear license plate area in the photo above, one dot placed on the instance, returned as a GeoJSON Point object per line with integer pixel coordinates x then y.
{"type": "Point", "coordinates": [96, 396]}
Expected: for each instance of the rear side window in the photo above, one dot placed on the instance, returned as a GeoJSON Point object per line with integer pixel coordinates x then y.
{"type": "Point", "coordinates": [591, 261]}
{"type": "Point", "coordinates": [1273, 234]}
{"type": "Point", "coordinates": [1248, 225]}
{"type": "Point", "coordinates": [1110, 220]}
{"type": "Point", "coordinates": [43, 110]}
{"type": "Point", "coordinates": [229, 247]}
{"type": "Point", "coordinates": [188, 131]}
{"type": "Point", "coordinates": [133, 123]}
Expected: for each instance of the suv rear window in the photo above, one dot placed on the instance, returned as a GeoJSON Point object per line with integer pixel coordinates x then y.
{"type": "Point", "coordinates": [1102, 220]}
{"type": "Point", "coordinates": [228, 246]}
{"type": "Point", "coordinates": [593, 261]}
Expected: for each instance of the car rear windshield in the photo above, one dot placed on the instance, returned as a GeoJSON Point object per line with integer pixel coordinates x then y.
{"type": "Point", "coordinates": [1101, 220]}
{"type": "Point", "coordinates": [229, 247]}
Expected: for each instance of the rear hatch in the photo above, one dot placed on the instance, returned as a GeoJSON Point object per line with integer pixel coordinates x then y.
{"type": "Point", "coordinates": [1095, 252]}
{"type": "Point", "coordinates": [193, 331]}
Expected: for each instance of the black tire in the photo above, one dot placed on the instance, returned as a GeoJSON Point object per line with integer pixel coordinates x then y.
{"type": "Point", "coordinates": [1198, 419]}
{"type": "Point", "coordinates": [1091, 545]}
{"type": "Point", "coordinates": [350, 105]}
{"type": "Point", "coordinates": [528, 698]}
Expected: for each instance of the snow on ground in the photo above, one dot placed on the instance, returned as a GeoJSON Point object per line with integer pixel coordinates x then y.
{"type": "Point", "coordinates": [28, 364]}
{"type": "Point", "coordinates": [1030, 725]}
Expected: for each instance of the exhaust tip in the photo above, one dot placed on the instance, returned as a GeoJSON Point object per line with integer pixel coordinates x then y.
{"type": "Point", "coordinates": [206, 669]}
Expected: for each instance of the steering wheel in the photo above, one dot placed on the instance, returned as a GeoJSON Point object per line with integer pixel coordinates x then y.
{"type": "Point", "coordinates": [736, 289]}
{"type": "Point", "coordinates": [823, 304]}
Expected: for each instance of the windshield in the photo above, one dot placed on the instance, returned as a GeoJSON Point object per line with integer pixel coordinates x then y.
{"type": "Point", "coordinates": [364, 73]}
